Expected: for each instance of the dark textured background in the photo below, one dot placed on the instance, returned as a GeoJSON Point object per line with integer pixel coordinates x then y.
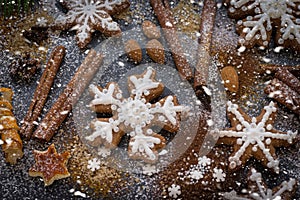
{"type": "Point", "coordinates": [14, 180]}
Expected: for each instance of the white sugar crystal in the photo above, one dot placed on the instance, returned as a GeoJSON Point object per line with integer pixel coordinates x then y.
{"type": "Point", "coordinates": [266, 60]}
{"type": "Point", "coordinates": [278, 49]}
{"type": "Point", "coordinates": [64, 112]}
{"type": "Point", "coordinates": [206, 90]}
{"type": "Point", "coordinates": [121, 64]}
{"type": "Point", "coordinates": [169, 24]}
{"type": "Point", "coordinates": [210, 122]}
{"type": "Point", "coordinates": [242, 49]}
{"type": "Point", "coordinates": [78, 193]}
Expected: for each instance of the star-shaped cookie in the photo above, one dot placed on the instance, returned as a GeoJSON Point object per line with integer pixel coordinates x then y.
{"type": "Point", "coordinates": [254, 137]}
{"type": "Point", "coordinates": [50, 165]}
{"type": "Point", "coordinates": [86, 16]}
{"type": "Point", "coordinates": [257, 189]}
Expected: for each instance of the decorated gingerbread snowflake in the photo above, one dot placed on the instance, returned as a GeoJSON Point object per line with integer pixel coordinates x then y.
{"type": "Point", "coordinates": [258, 18]}
{"type": "Point", "coordinates": [254, 137]}
{"type": "Point", "coordinates": [135, 116]}
{"type": "Point", "coordinates": [259, 190]}
{"type": "Point", "coordinates": [86, 16]}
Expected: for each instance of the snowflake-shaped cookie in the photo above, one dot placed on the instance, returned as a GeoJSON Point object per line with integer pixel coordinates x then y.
{"type": "Point", "coordinates": [254, 137]}
{"type": "Point", "coordinates": [258, 18]}
{"type": "Point", "coordinates": [134, 115]}
{"type": "Point", "coordinates": [259, 190]}
{"type": "Point", "coordinates": [86, 16]}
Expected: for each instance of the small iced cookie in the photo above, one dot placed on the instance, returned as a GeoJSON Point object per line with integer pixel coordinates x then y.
{"type": "Point", "coordinates": [258, 189]}
{"type": "Point", "coordinates": [88, 16]}
{"type": "Point", "coordinates": [257, 19]}
{"type": "Point", "coordinates": [254, 136]}
{"type": "Point", "coordinates": [135, 116]}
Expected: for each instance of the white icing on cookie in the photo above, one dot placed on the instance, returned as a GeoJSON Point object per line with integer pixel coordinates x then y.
{"type": "Point", "coordinates": [135, 114]}
{"type": "Point", "coordinates": [255, 133]}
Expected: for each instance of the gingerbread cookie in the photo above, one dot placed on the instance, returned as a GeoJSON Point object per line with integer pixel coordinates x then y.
{"type": "Point", "coordinates": [135, 116]}
{"type": "Point", "coordinates": [50, 165]}
{"type": "Point", "coordinates": [254, 137]}
{"type": "Point", "coordinates": [257, 20]}
{"type": "Point", "coordinates": [88, 16]}
{"type": "Point", "coordinates": [258, 189]}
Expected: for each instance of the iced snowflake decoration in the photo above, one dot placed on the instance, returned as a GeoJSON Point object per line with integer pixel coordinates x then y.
{"type": "Point", "coordinates": [204, 161]}
{"type": "Point", "coordinates": [103, 152]}
{"type": "Point", "coordinates": [149, 169]}
{"type": "Point", "coordinates": [93, 164]}
{"type": "Point", "coordinates": [219, 175]}
{"type": "Point", "coordinates": [257, 18]}
{"type": "Point", "coordinates": [41, 21]}
{"type": "Point", "coordinates": [258, 190]}
{"type": "Point", "coordinates": [202, 170]}
{"type": "Point", "coordinates": [254, 136]}
{"type": "Point", "coordinates": [197, 172]}
{"type": "Point", "coordinates": [174, 191]}
{"type": "Point", "coordinates": [134, 115]}
{"type": "Point", "coordinates": [86, 16]}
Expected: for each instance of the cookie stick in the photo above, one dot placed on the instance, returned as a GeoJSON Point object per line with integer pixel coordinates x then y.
{"type": "Point", "coordinates": [282, 93]}
{"type": "Point", "coordinates": [274, 68]}
{"type": "Point", "coordinates": [206, 29]}
{"type": "Point", "coordinates": [165, 17]}
{"type": "Point", "coordinates": [289, 79]}
{"type": "Point", "coordinates": [9, 128]}
{"type": "Point", "coordinates": [42, 91]}
{"type": "Point", "coordinates": [69, 97]}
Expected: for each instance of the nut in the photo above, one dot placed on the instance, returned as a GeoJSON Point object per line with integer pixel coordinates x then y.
{"type": "Point", "coordinates": [133, 50]}
{"type": "Point", "coordinates": [230, 78]}
{"type": "Point", "coordinates": [150, 30]}
{"type": "Point", "coordinates": [155, 50]}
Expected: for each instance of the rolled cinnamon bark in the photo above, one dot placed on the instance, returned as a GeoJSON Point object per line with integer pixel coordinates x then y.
{"type": "Point", "coordinates": [41, 93]}
{"type": "Point", "coordinates": [206, 30]}
{"type": "Point", "coordinates": [274, 68]}
{"type": "Point", "coordinates": [12, 143]}
{"type": "Point", "coordinates": [69, 97]}
{"type": "Point", "coordinates": [165, 17]}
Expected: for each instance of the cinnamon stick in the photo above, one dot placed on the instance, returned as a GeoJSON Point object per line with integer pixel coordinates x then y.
{"type": "Point", "coordinates": [204, 49]}
{"type": "Point", "coordinates": [12, 143]}
{"type": "Point", "coordinates": [69, 97]}
{"type": "Point", "coordinates": [42, 91]}
{"type": "Point", "coordinates": [165, 17]}
{"type": "Point", "coordinates": [274, 68]}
